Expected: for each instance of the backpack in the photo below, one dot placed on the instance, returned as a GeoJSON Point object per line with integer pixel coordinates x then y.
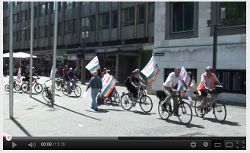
{"type": "Point", "coordinates": [127, 82]}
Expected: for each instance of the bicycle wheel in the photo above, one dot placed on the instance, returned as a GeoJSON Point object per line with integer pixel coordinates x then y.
{"type": "Point", "coordinates": [126, 103]}
{"type": "Point", "coordinates": [142, 95]}
{"type": "Point", "coordinates": [77, 91]}
{"type": "Point", "coordinates": [220, 112]}
{"type": "Point", "coordinates": [7, 88]}
{"type": "Point", "coordinates": [45, 95]}
{"type": "Point", "coordinates": [58, 85]}
{"type": "Point", "coordinates": [197, 109]}
{"type": "Point", "coordinates": [185, 113]}
{"type": "Point", "coordinates": [50, 97]}
{"type": "Point", "coordinates": [17, 87]}
{"type": "Point", "coordinates": [164, 110]}
{"type": "Point", "coordinates": [25, 87]}
{"type": "Point", "coordinates": [146, 104]}
{"type": "Point", "coordinates": [65, 91]}
{"type": "Point", "coordinates": [38, 88]}
{"type": "Point", "coordinates": [115, 97]}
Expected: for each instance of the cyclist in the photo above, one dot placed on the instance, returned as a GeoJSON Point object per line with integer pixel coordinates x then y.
{"type": "Point", "coordinates": [170, 87]}
{"type": "Point", "coordinates": [207, 84]}
{"type": "Point", "coordinates": [27, 75]}
{"type": "Point", "coordinates": [70, 78]}
{"type": "Point", "coordinates": [133, 82]}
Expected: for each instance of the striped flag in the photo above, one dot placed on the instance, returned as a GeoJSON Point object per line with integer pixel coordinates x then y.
{"type": "Point", "coordinates": [108, 84]}
{"type": "Point", "coordinates": [93, 65]}
{"type": "Point", "coordinates": [51, 72]}
{"type": "Point", "coordinates": [19, 76]}
{"type": "Point", "coordinates": [183, 75]}
{"type": "Point", "coordinates": [151, 70]}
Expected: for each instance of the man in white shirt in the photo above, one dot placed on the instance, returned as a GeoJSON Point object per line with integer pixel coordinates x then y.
{"type": "Point", "coordinates": [170, 87]}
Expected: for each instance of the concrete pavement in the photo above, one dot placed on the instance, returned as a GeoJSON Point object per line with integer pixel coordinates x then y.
{"type": "Point", "coordinates": [74, 117]}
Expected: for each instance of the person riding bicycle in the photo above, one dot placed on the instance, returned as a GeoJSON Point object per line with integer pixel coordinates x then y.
{"type": "Point", "coordinates": [133, 82]}
{"type": "Point", "coordinates": [206, 85]}
{"type": "Point", "coordinates": [27, 75]}
{"type": "Point", "coordinates": [170, 87]}
{"type": "Point", "coordinates": [70, 78]}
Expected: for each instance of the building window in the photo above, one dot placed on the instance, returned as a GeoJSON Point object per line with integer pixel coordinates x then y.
{"type": "Point", "coordinates": [167, 71]}
{"type": "Point", "coordinates": [74, 26]}
{"type": "Point", "coordinates": [15, 18]}
{"type": "Point", "coordinates": [128, 16]}
{"type": "Point", "coordinates": [85, 3]}
{"type": "Point", "coordinates": [42, 9]}
{"type": "Point", "coordinates": [85, 24]}
{"type": "Point", "coordinates": [68, 27]}
{"type": "Point", "coordinates": [232, 13]}
{"type": "Point", "coordinates": [92, 23]}
{"type": "Point", "coordinates": [234, 81]}
{"type": "Point", "coordinates": [114, 19]}
{"type": "Point", "coordinates": [104, 21]}
{"type": "Point", "coordinates": [182, 16]}
{"type": "Point", "coordinates": [151, 12]}
{"type": "Point", "coordinates": [69, 5]}
{"type": "Point", "coordinates": [59, 30]}
{"type": "Point", "coordinates": [27, 34]}
{"type": "Point", "coordinates": [141, 14]}
{"type": "Point", "coordinates": [46, 31]}
{"type": "Point", "coordinates": [42, 32]}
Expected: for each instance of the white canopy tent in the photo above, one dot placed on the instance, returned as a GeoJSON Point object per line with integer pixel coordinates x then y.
{"type": "Point", "coordinates": [19, 55]}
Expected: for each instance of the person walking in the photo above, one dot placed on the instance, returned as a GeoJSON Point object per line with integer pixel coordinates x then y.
{"type": "Point", "coordinates": [96, 86]}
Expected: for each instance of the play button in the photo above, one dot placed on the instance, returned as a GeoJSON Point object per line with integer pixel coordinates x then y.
{"type": "Point", "coordinates": [14, 145]}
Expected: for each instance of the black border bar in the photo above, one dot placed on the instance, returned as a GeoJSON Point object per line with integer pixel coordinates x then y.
{"type": "Point", "coordinates": [126, 143]}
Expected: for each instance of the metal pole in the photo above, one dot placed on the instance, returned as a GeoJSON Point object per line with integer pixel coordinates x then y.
{"type": "Point", "coordinates": [31, 46]}
{"type": "Point", "coordinates": [11, 105]}
{"type": "Point", "coordinates": [54, 50]}
{"type": "Point", "coordinates": [215, 26]}
{"type": "Point", "coordinates": [215, 48]}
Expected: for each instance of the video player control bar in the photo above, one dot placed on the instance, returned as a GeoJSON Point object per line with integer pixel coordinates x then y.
{"type": "Point", "coordinates": [126, 143]}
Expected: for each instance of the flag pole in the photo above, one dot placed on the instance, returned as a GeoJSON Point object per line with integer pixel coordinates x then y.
{"type": "Point", "coordinates": [54, 50]}
{"type": "Point", "coordinates": [11, 105]}
{"type": "Point", "coordinates": [31, 46]}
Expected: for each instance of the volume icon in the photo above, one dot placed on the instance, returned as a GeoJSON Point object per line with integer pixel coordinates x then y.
{"type": "Point", "coordinates": [32, 145]}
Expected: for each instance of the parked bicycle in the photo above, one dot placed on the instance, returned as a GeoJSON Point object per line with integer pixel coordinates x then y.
{"type": "Point", "coordinates": [37, 86]}
{"type": "Point", "coordinates": [128, 101]}
{"type": "Point", "coordinates": [47, 95]}
{"type": "Point", "coordinates": [213, 104]}
{"type": "Point", "coordinates": [16, 86]}
{"type": "Point", "coordinates": [165, 108]}
{"type": "Point", "coordinates": [73, 88]}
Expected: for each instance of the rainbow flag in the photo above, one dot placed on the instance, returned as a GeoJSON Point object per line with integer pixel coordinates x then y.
{"type": "Point", "coordinates": [183, 74]}
{"type": "Point", "coordinates": [108, 84]}
{"type": "Point", "coordinates": [19, 76]}
{"type": "Point", "coordinates": [93, 65]}
{"type": "Point", "coordinates": [151, 70]}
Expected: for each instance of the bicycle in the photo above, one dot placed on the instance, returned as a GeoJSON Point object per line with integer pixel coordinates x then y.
{"type": "Point", "coordinates": [213, 103]}
{"type": "Point", "coordinates": [73, 88]}
{"type": "Point", "coordinates": [60, 84]}
{"type": "Point", "coordinates": [128, 101]}
{"type": "Point", "coordinates": [16, 86]}
{"type": "Point", "coordinates": [47, 95]}
{"type": "Point", "coordinates": [37, 86]}
{"type": "Point", "coordinates": [165, 109]}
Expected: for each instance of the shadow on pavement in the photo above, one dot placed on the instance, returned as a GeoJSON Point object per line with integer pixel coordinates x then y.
{"type": "Point", "coordinates": [40, 101]}
{"type": "Point", "coordinates": [77, 112]}
{"type": "Point", "coordinates": [225, 122]}
{"type": "Point", "coordinates": [190, 125]}
{"type": "Point", "coordinates": [99, 111]}
{"type": "Point", "coordinates": [142, 113]}
{"type": "Point", "coordinates": [21, 127]}
{"type": "Point", "coordinates": [116, 110]}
